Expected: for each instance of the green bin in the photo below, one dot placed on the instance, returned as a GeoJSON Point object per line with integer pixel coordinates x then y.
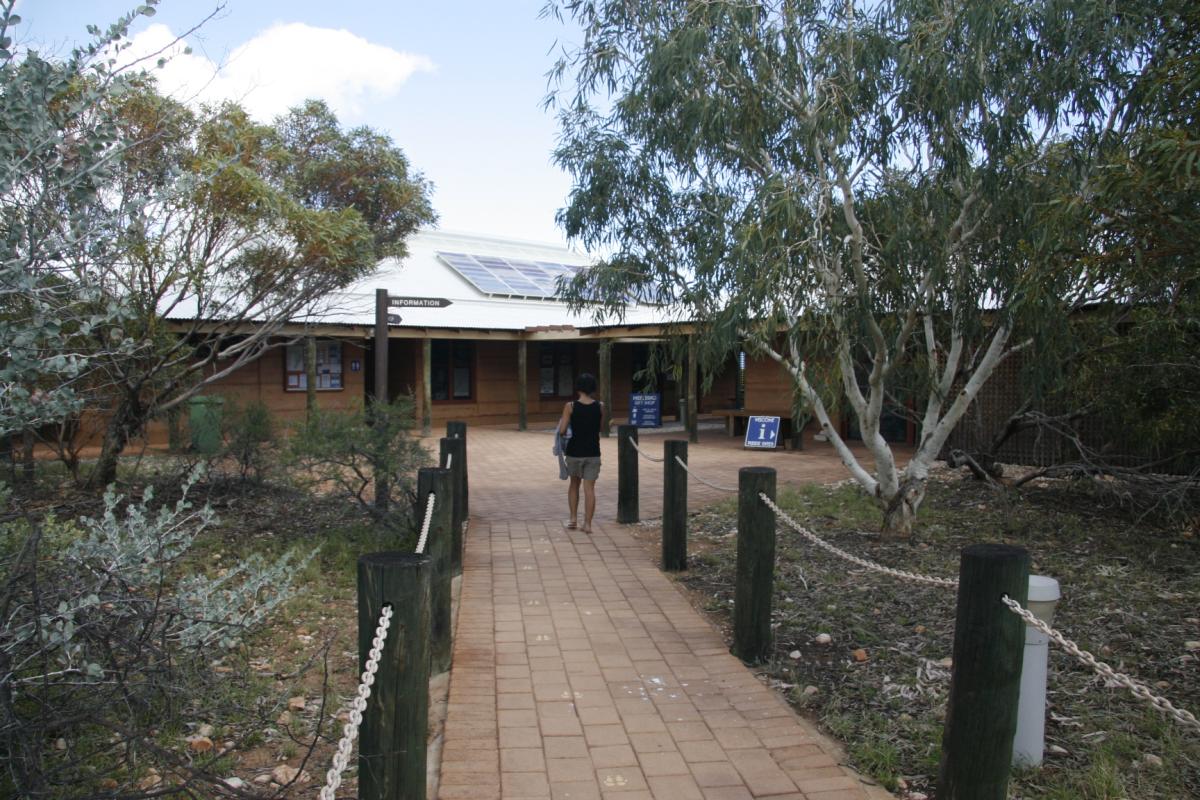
{"type": "Point", "coordinates": [204, 419]}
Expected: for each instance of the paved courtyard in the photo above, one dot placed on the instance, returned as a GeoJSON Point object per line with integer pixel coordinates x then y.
{"type": "Point", "coordinates": [580, 671]}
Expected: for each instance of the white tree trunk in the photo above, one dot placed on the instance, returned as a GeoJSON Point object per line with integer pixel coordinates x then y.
{"type": "Point", "coordinates": [898, 493]}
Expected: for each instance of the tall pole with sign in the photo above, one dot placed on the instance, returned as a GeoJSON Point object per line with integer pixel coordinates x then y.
{"type": "Point", "coordinates": [381, 384]}
{"type": "Point", "coordinates": [398, 301]}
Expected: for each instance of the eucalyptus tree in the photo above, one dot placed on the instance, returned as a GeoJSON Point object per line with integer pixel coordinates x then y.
{"type": "Point", "coordinates": [59, 146]}
{"type": "Point", "coordinates": [1142, 375]}
{"type": "Point", "coordinates": [250, 231]}
{"type": "Point", "coordinates": [105, 627]}
{"type": "Point", "coordinates": [1115, 395]}
{"type": "Point", "coordinates": [324, 166]}
{"type": "Point", "coordinates": [854, 189]}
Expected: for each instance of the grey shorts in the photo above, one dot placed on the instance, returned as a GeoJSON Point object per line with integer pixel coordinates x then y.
{"type": "Point", "coordinates": [585, 467]}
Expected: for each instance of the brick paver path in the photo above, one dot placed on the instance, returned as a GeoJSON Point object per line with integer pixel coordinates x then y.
{"type": "Point", "coordinates": [580, 671]}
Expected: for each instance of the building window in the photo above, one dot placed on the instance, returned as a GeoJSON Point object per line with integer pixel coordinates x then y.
{"type": "Point", "coordinates": [451, 372]}
{"type": "Point", "coordinates": [329, 368]}
{"type": "Point", "coordinates": [556, 375]}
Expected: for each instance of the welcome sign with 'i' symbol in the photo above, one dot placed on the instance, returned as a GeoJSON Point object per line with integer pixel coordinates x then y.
{"type": "Point", "coordinates": [762, 432]}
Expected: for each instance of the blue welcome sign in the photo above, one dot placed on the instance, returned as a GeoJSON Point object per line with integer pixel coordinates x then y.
{"type": "Point", "coordinates": [762, 432]}
{"type": "Point", "coordinates": [645, 410]}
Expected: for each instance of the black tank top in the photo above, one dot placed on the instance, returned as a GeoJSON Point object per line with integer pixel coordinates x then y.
{"type": "Point", "coordinates": [585, 430]}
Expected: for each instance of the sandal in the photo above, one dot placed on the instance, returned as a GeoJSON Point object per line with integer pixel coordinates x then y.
{"type": "Point", "coordinates": [570, 525]}
{"type": "Point", "coordinates": [587, 529]}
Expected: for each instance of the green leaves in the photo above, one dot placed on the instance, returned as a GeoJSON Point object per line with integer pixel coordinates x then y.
{"type": "Point", "coordinates": [324, 167]}
{"type": "Point", "coordinates": [120, 206]}
{"type": "Point", "coordinates": [898, 190]}
{"type": "Point", "coordinates": [56, 137]}
{"type": "Point", "coordinates": [745, 142]}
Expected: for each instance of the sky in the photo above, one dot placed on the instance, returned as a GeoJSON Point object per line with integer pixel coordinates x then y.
{"type": "Point", "coordinates": [457, 86]}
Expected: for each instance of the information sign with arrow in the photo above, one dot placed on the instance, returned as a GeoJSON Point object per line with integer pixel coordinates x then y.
{"type": "Point", "coordinates": [395, 301]}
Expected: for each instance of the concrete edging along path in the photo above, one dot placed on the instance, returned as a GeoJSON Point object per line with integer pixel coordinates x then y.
{"type": "Point", "coordinates": [581, 671]}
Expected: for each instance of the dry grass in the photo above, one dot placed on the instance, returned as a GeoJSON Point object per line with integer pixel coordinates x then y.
{"type": "Point", "coordinates": [1131, 595]}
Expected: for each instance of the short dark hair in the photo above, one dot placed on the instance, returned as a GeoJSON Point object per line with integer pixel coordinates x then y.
{"type": "Point", "coordinates": [586, 383]}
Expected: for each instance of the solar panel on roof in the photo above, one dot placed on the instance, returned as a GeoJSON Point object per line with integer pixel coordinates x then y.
{"type": "Point", "coordinates": [510, 277]}
{"type": "Point", "coordinates": [514, 279]}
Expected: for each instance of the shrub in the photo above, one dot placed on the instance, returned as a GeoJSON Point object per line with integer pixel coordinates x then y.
{"type": "Point", "coordinates": [345, 451]}
{"type": "Point", "coordinates": [249, 437]}
{"type": "Point", "coordinates": [107, 630]}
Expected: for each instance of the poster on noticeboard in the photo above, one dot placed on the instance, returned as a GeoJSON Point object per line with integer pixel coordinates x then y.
{"type": "Point", "coordinates": [645, 410]}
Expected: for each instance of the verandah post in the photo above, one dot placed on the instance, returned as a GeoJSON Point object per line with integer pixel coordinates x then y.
{"type": "Point", "coordinates": [392, 737]}
{"type": "Point", "coordinates": [627, 474]}
{"type": "Point", "coordinates": [693, 386]}
{"type": "Point", "coordinates": [755, 572]}
{"type": "Point", "coordinates": [522, 385]}
{"type": "Point", "coordinates": [426, 386]}
{"type": "Point", "coordinates": [606, 387]}
{"type": "Point", "coordinates": [310, 376]}
{"type": "Point", "coordinates": [437, 481]}
{"type": "Point", "coordinates": [674, 514]}
{"type": "Point", "coordinates": [985, 682]}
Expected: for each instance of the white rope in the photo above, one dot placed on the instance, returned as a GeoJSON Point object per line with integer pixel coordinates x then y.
{"type": "Point", "coordinates": [333, 778]}
{"type": "Point", "coordinates": [425, 527]}
{"type": "Point", "coordinates": [1139, 690]}
{"type": "Point", "coordinates": [683, 464]}
{"type": "Point", "coordinates": [646, 456]}
{"type": "Point", "coordinates": [862, 562]}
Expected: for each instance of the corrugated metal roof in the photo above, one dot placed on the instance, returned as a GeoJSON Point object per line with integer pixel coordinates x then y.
{"type": "Point", "coordinates": [423, 274]}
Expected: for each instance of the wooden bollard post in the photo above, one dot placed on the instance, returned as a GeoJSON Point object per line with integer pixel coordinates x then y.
{"type": "Point", "coordinates": [985, 683]}
{"type": "Point", "coordinates": [439, 545]}
{"type": "Point", "coordinates": [674, 513]}
{"type": "Point", "coordinates": [456, 429]}
{"type": "Point", "coordinates": [391, 749]}
{"type": "Point", "coordinates": [627, 474]}
{"type": "Point", "coordinates": [755, 565]}
{"type": "Point", "coordinates": [455, 451]}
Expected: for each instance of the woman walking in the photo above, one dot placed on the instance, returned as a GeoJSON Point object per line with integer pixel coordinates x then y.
{"type": "Point", "coordinates": [582, 415]}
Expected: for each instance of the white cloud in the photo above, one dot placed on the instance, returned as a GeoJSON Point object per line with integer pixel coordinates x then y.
{"type": "Point", "coordinates": [280, 68]}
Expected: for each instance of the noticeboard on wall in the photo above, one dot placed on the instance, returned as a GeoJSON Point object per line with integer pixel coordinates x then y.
{"type": "Point", "coordinates": [762, 433]}
{"type": "Point", "coordinates": [645, 410]}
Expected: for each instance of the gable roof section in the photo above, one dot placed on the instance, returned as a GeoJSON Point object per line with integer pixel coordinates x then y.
{"type": "Point", "coordinates": [492, 284]}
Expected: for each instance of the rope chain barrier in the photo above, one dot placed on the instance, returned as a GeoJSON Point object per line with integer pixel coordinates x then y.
{"type": "Point", "coordinates": [1138, 689]}
{"type": "Point", "coordinates": [646, 456]}
{"type": "Point", "coordinates": [333, 778]}
{"type": "Point", "coordinates": [425, 526]}
{"type": "Point", "coordinates": [862, 562]}
{"type": "Point", "coordinates": [710, 484]}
